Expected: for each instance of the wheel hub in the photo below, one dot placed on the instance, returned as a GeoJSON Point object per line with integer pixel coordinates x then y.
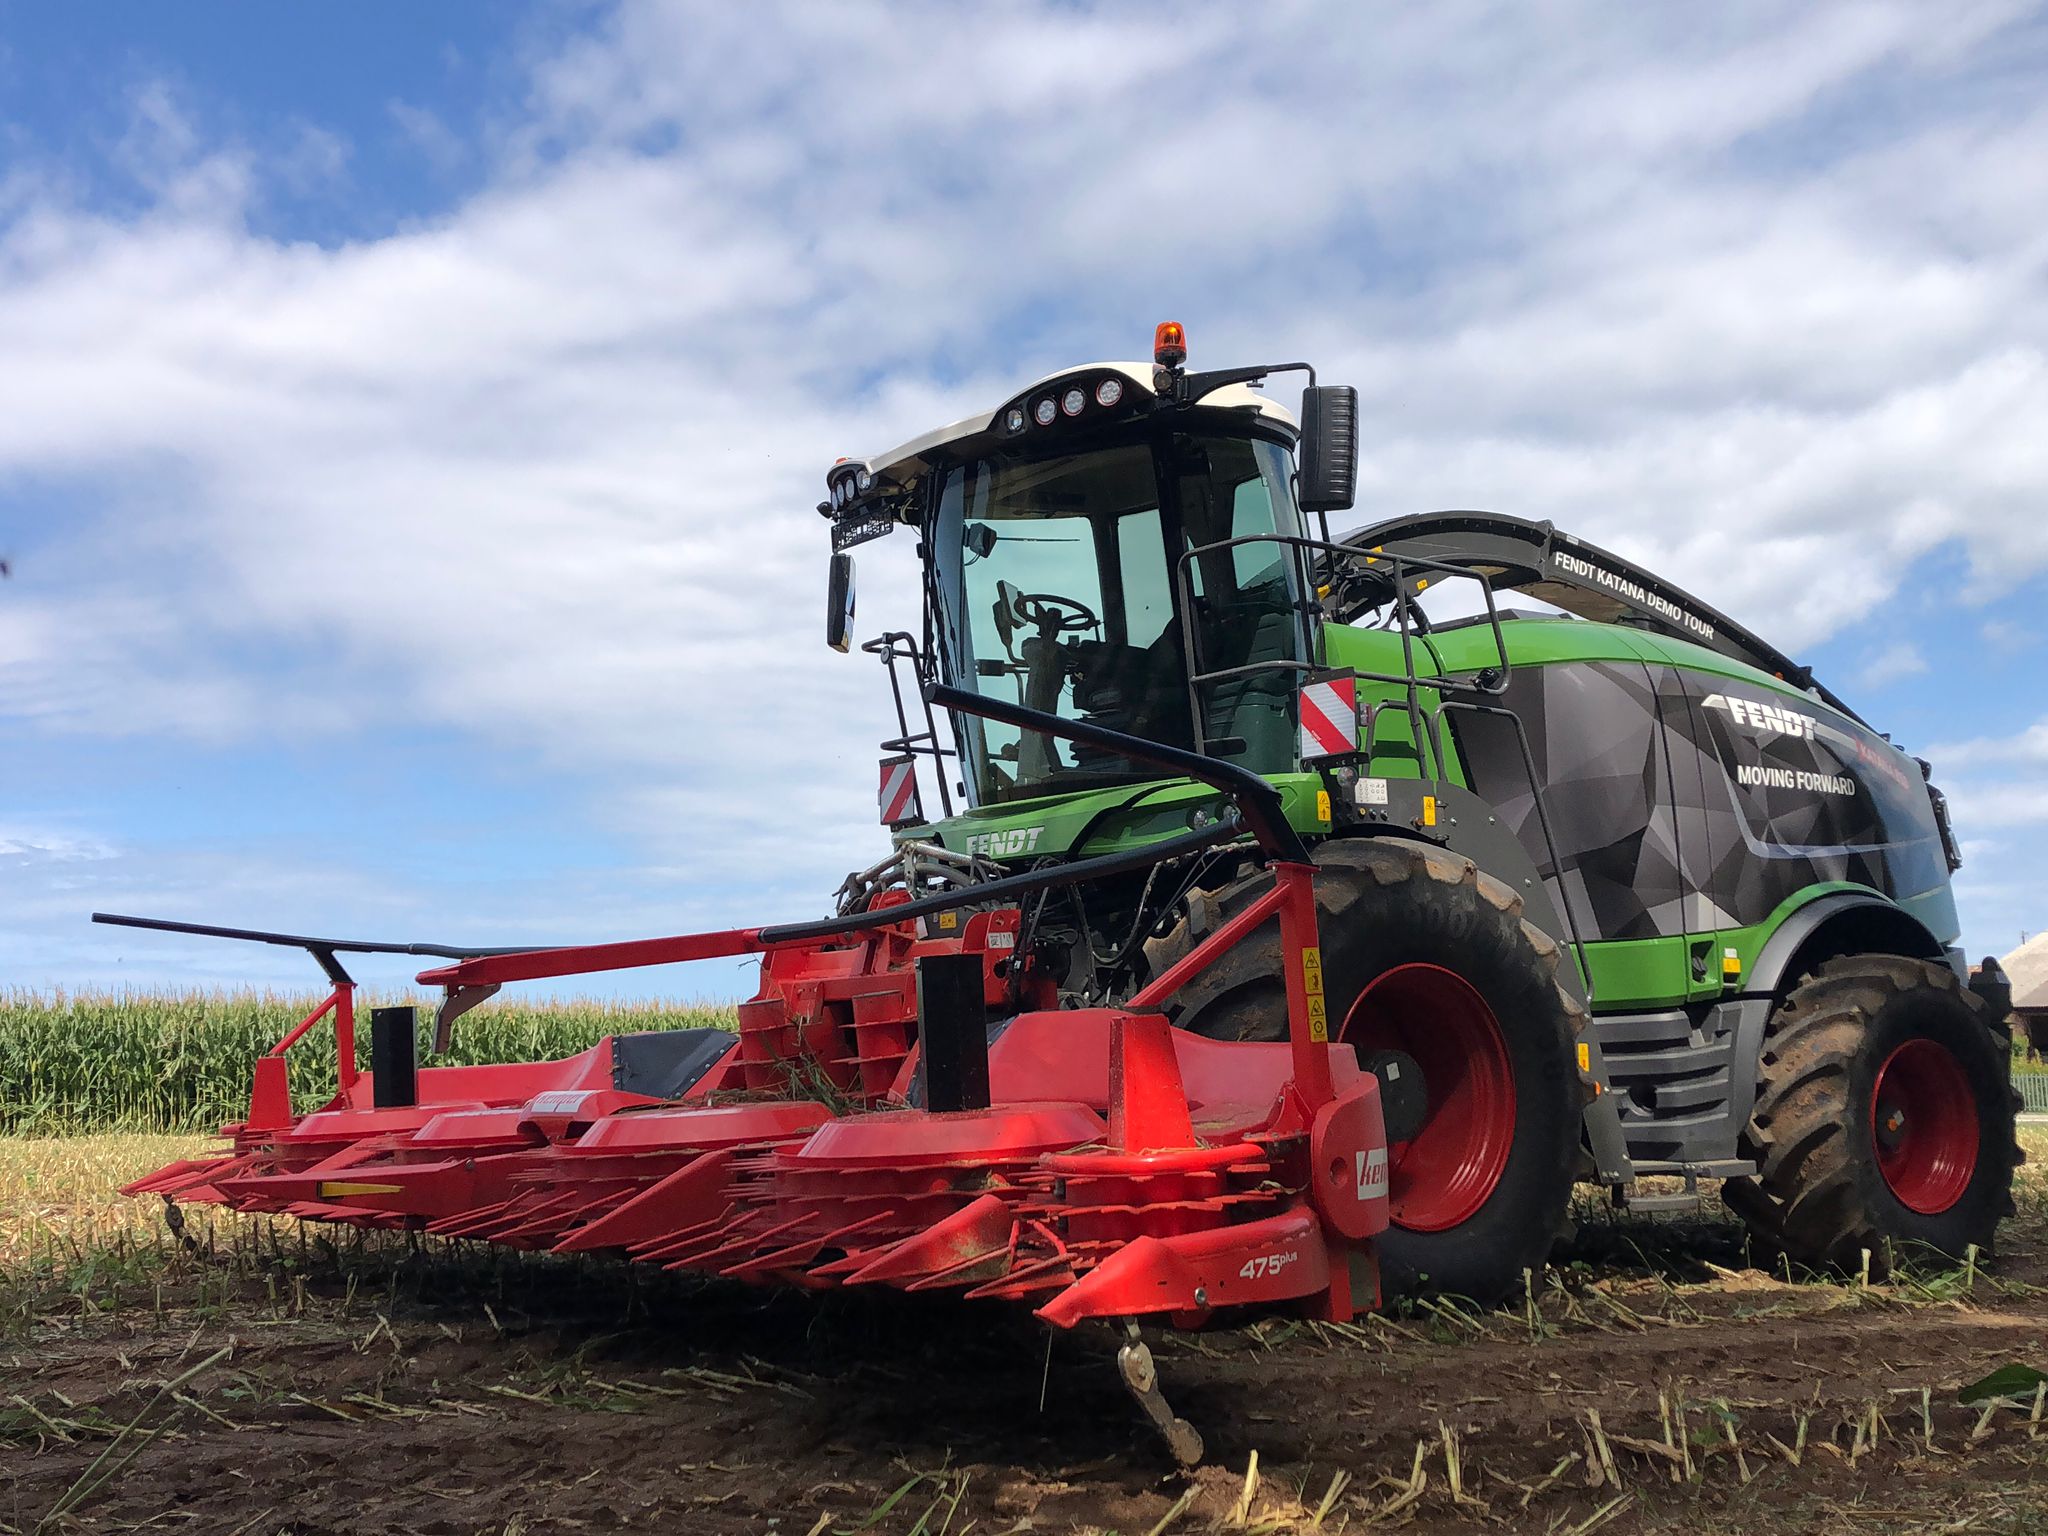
{"type": "Point", "coordinates": [1404, 1091]}
{"type": "Point", "coordinates": [1924, 1126]}
{"type": "Point", "coordinates": [1435, 1024]}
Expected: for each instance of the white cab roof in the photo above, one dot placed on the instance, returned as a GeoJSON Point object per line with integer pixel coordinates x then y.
{"type": "Point", "coordinates": [905, 461]}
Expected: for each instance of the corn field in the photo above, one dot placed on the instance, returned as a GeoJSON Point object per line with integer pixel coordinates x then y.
{"type": "Point", "coordinates": [154, 1061]}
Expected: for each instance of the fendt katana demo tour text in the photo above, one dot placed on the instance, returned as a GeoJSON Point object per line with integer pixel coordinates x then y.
{"type": "Point", "coordinates": [1272, 945]}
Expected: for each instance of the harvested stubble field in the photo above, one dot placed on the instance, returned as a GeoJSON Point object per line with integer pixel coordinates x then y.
{"type": "Point", "coordinates": [262, 1377]}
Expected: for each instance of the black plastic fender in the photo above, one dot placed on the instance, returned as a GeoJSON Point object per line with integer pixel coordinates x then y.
{"type": "Point", "coordinates": [1770, 972]}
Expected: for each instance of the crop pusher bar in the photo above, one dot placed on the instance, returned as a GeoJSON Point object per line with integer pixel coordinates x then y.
{"type": "Point", "coordinates": [867, 1124]}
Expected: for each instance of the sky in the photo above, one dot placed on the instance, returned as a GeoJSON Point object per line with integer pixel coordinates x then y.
{"type": "Point", "coordinates": [411, 416]}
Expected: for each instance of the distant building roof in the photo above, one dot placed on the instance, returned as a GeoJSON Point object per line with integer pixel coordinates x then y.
{"type": "Point", "coordinates": [2027, 967]}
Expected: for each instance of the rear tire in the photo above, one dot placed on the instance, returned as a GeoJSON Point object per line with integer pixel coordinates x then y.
{"type": "Point", "coordinates": [1883, 1116]}
{"type": "Point", "coordinates": [1425, 954]}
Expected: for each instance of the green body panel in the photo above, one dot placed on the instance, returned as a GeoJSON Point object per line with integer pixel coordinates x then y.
{"type": "Point", "coordinates": [1638, 973]}
{"type": "Point", "coordinates": [1533, 642]}
{"type": "Point", "coordinates": [1632, 974]}
{"type": "Point", "coordinates": [1098, 821]}
{"type": "Point", "coordinates": [1390, 732]}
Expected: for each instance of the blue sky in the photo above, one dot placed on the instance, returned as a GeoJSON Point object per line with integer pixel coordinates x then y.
{"type": "Point", "coordinates": [410, 415]}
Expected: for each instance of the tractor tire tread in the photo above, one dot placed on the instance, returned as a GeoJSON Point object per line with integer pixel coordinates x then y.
{"type": "Point", "coordinates": [1455, 915]}
{"type": "Point", "coordinates": [1816, 1196]}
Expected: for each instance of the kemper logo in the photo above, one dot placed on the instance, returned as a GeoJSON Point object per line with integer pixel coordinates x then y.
{"type": "Point", "coordinates": [1372, 1173]}
{"type": "Point", "coordinates": [1004, 845]}
{"type": "Point", "coordinates": [1634, 591]}
{"type": "Point", "coordinates": [1760, 718]}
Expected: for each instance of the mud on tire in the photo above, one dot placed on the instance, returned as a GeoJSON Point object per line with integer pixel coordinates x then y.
{"type": "Point", "coordinates": [1839, 1171]}
{"type": "Point", "coordinates": [1385, 906]}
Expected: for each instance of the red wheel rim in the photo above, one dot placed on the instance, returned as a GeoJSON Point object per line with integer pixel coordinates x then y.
{"type": "Point", "coordinates": [1923, 1123]}
{"type": "Point", "coordinates": [1447, 1171]}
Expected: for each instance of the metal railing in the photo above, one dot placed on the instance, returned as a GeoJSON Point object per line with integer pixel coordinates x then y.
{"type": "Point", "coordinates": [1490, 682]}
{"type": "Point", "coordinates": [2033, 1091]}
{"type": "Point", "coordinates": [892, 647]}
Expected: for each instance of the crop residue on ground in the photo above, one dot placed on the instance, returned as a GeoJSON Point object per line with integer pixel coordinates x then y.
{"type": "Point", "coordinates": [271, 1376]}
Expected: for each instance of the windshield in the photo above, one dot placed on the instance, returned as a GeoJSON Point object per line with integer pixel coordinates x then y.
{"type": "Point", "coordinates": [1056, 591]}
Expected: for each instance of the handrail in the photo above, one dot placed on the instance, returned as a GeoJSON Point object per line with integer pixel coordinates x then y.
{"type": "Point", "coordinates": [900, 645]}
{"type": "Point", "coordinates": [1410, 680]}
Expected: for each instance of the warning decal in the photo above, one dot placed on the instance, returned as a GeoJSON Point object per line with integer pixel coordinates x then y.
{"type": "Point", "coordinates": [1329, 717]}
{"type": "Point", "coordinates": [1312, 988]}
{"type": "Point", "coordinates": [898, 796]}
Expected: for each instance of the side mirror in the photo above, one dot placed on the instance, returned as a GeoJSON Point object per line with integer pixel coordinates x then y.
{"type": "Point", "coordinates": [839, 604]}
{"type": "Point", "coordinates": [1327, 459]}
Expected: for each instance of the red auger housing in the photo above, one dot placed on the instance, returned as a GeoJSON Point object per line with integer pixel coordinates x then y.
{"type": "Point", "coordinates": [901, 1105]}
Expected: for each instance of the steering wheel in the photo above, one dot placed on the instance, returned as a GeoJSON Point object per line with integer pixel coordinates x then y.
{"type": "Point", "coordinates": [1052, 614]}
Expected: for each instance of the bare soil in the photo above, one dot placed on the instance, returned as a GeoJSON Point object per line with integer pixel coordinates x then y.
{"type": "Point", "coordinates": [381, 1389]}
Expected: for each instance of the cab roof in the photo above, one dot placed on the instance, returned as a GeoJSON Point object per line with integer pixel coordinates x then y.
{"type": "Point", "coordinates": [906, 461]}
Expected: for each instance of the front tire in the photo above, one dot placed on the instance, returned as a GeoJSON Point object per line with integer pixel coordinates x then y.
{"type": "Point", "coordinates": [1425, 955]}
{"type": "Point", "coordinates": [1883, 1118]}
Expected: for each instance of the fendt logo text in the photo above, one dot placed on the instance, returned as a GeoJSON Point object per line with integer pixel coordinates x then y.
{"type": "Point", "coordinates": [1004, 845]}
{"type": "Point", "coordinates": [1755, 715]}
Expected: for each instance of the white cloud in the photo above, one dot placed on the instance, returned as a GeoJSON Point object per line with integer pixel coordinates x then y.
{"type": "Point", "coordinates": [27, 845]}
{"type": "Point", "coordinates": [2008, 637]}
{"type": "Point", "coordinates": [2003, 806]}
{"type": "Point", "coordinates": [424, 129]}
{"type": "Point", "coordinates": [540, 469]}
{"type": "Point", "coordinates": [2029, 747]}
{"type": "Point", "coordinates": [1896, 662]}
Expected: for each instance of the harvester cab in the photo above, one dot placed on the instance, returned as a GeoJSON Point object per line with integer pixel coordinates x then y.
{"type": "Point", "coordinates": [1119, 545]}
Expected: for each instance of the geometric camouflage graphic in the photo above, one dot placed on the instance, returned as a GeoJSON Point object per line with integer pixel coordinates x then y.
{"type": "Point", "coordinates": [1796, 794]}
{"type": "Point", "coordinates": [1741, 799]}
{"type": "Point", "coordinates": [1606, 777]}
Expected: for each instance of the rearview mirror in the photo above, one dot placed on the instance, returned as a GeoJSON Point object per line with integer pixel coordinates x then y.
{"type": "Point", "coordinates": [1327, 459]}
{"type": "Point", "coordinates": [839, 604]}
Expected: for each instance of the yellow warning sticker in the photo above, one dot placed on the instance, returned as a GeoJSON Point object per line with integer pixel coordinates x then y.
{"type": "Point", "coordinates": [1585, 1057]}
{"type": "Point", "coordinates": [1429, 810]}
{"type": "Point", "coordinates": [949, 919]}
{"type": "Point", "coordinates": [1318, 1019]}
{"type": "Point", "coordinates": [1312, 971]}
{"type": "Point", "coordinates": [1322, 805]}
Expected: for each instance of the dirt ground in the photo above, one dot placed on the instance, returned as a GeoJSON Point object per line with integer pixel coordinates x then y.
{"type": "Point", "coordinates": [277, 1383]}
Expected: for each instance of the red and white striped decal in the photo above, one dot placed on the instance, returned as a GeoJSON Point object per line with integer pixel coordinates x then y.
{"type": "Point", "coordinates": [899, 791]}
{"type": "Point", "coordinates": [1329, 718]}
